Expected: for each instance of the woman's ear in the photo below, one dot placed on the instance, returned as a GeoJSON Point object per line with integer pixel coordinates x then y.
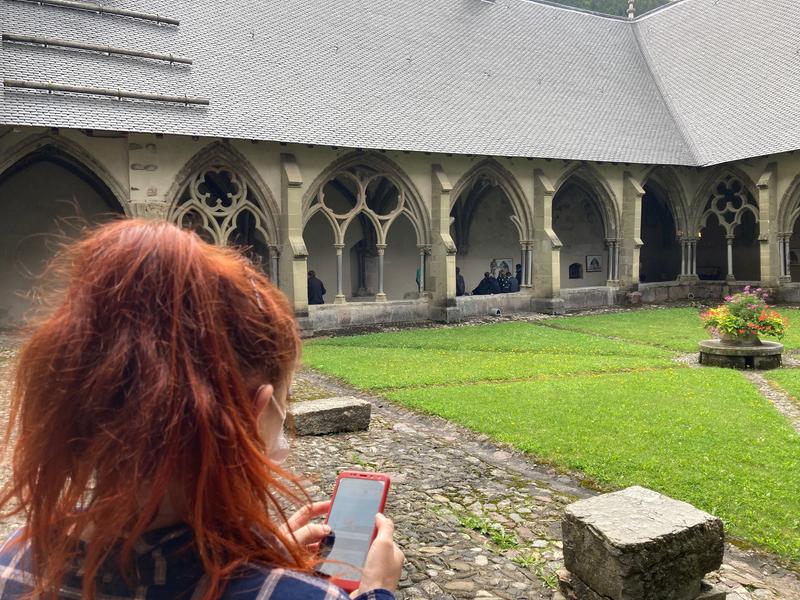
{"type": "Point", "coordinates": [263, 396]}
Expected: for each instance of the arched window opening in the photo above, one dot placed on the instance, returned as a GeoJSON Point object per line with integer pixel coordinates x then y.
{"type": "Point", "coordinates": [731, 213]}
{"type": "Point", "coordinates": [52, 197]}
{"type": "Point", "coordinates": [576, 271]}
{"type": "Point", "coordinates": [484, 231]}
{"type": "Point", "coordinates": [374, 221]}
{"type": "Point", "coordinates": [218, 205]}
{"type": "Point", "coordinates": [578, 223]}
{"type": "Point", "coordinates": [660, 256]}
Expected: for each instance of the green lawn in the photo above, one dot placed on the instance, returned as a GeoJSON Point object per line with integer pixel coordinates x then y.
{"type": "Point", "coordinates": [620, 413]}
{"type": "Point", "coordinates": [676, 329]}
{"type": "Point", "coordinates": [788, 379]}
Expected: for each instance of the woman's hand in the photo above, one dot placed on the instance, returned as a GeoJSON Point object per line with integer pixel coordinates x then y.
{"type": "Point", "coordinates": [384, 560]}
{"type": "Point", "coordinates": [299, 524]}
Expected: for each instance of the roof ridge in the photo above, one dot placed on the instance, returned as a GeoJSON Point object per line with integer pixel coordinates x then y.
{"type": "Point", "coordinates": [674, 114]}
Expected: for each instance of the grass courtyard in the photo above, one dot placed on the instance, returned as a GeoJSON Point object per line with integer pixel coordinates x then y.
{"type": "Point", "coordinates": [601, 395]}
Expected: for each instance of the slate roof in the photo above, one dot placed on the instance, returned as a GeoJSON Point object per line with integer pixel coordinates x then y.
{"type": "Point", "coordinates": [695, 83]}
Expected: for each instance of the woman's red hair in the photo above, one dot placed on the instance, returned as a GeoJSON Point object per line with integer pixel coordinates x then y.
{"type": "Point", "coordinates": [141, 378]}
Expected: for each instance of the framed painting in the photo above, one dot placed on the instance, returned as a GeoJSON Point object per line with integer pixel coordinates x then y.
{"type": "Point", "coordinates": [594, 263]}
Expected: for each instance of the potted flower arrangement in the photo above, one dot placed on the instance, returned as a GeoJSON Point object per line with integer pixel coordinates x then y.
{"type": "Point", "coordinates": [743, 317]}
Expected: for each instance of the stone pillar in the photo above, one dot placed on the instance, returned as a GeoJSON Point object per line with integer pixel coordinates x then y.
{"type": "Point", "coordinates": [637, 544]}
{"type": "Point", "coordinates": [613, 262]}
{"type": "Point", "coordinates": [293, 255]}
{"type": "Point", "coordinates": [628, 247]}
{"type": "Point", "coordinates": [380, 296]}
{"type": "Point", "coordinates": [443, 250]}
{"type": "Point", "coordinates": [730, 276]}
{"type": "Point", "coordinates": [684, 258]}
{"type": "Point", "coordinates": [768, 227]}
{"type": "Point", "coordinates": [546, 278]}
{"type": "Point", "coordinates": [693, 255]}
{"type": "Point", "coordinates": [785, 258]}
{"type": "Point", "coordinates": [529, 264]}
{"type": "Point", "coordinates": [422, 252]}
{"type": "Point", "coordinates": [340, 298]}
{"type": "Point", "coordinates": [274, 257]}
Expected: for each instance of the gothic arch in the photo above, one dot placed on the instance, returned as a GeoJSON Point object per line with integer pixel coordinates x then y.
{"type": "Point", "coordinates": [70, 153]}
{"type": "Point", "coordinates": [666, 180]}
{"type": "Point", "coordinates": [221, 157]}
{"type": "Point", "coordinates": [501, 177]}
{"type": "Point", "coordinates": [699, 212]}
{"type": "Point", "coordinates": [789, 210]}
{"type": "Point", "coordinates": [363, 168]}
{"type": "Point", "coordinates": [587, 178]}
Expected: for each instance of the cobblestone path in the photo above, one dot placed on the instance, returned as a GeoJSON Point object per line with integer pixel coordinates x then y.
{"type": "Point", "coordinates": [475, 520]}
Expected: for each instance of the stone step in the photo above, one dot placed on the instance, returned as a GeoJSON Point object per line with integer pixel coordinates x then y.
{"type": "Point", "coordinates": [329, 415]}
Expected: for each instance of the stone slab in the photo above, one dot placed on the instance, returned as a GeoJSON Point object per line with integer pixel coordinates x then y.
{"type": "Point", "coordinates": [637, 544]}
{"type": "Point", "coordinates": [329, 415]}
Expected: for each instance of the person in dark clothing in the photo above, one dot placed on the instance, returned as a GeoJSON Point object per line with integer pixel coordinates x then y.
{"type": "Point", "coordinates": [519, 275]}
{"type": "Point", "coordinates": [504, 281]}
{"type": "Point", "coordinates": [485, 286]}
{"type": "Point", "coordinates": [513, 285]}
{"type": "Point", "coordinates": [316, 289]}
{"type": "Point", "coordinates": [461, 286]}
{"type": "Point", "coordinates": [494, 285]}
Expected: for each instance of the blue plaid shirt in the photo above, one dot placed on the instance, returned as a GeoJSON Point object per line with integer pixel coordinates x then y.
{"type": "Point", "coordinates": [167, 568]}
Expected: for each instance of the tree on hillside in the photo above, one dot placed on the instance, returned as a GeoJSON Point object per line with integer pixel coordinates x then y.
{"type": "Point", "coordinates": [614, 7]}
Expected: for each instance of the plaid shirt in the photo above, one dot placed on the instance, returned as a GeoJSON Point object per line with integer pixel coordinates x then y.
{"type": "Point", "coordinates": [166, 570]}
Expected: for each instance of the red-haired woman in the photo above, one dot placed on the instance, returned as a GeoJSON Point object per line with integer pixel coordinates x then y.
{"type": "Point", "coordinates": [149, 408]}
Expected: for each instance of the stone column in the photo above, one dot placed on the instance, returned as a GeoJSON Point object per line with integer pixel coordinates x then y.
{"type": "Point", "coordinates": [546, 279]}
{"type": "Point", "coordinates": [421, 269]}
{"type": "Point", "coordinates": [693, 255]}
{"type": "Point", "coordinates": [380, 296]}
{"type": "Point", "coordinates": [684, 258]}
{"type": "Point", "coordinates": [730, 276]}
{"type": "Point", "coordinates": [768, 226]}
{"type": "Point", "coordinates": [443, 251]}
{"type": "Point", "coordinates": [293, 255]}
{"type": "Point", "coordinates": [274, 257]}
{"type": "Point", "coordinates": [786, 258]}
{"type": "Point", "coordinates": [529, 265]}
{"type": "Point", "coordinates": [613, 262]}
{"type": "Point", "coordinates": [627, 248]}
{"type": "Point", "coordinates": [340, 298]}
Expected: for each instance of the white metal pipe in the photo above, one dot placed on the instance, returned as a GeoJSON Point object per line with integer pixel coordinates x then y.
{"type": "Point", "coordinates": [48, 42]}
{"type": "Point", "coordinates": [100, 9]}
{"type": "Point", "coordinates": [80, 89]}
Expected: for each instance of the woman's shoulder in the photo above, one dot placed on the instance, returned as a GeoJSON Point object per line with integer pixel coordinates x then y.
{"type": "Point", "coordinates": [280, 584]}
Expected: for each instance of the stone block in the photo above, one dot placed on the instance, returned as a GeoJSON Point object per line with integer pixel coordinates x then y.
{"type": "Point", "coordinates": [329, 415]}
{"type": "Point", "coordinates": [637, 544]}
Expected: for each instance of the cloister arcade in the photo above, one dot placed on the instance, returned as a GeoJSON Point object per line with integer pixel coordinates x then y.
{"type": "Point", "coordinates": [366, 223]}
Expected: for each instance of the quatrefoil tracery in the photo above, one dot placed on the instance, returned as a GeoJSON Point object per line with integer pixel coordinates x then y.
{"type": "Point", "coordinates": [729, 203]}
{"type": "Point", "coordinates": [217, 196]}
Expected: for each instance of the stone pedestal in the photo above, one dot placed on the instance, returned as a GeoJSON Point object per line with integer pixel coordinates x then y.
{"type": "Point", "coordinates": [329, 415]}
{"type": "Point", "coordinates": [715, 353]}
{"type": "Point", "coordinates": [637, 544]}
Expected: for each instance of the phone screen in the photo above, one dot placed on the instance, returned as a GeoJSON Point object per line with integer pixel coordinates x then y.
{"type": "Point", "coordinates": [352, 521]}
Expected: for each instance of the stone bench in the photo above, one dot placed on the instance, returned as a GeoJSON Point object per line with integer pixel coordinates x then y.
{"type": "Point", "coordinates": [637, 544]}
{"type": "Point", "coordinates": [329, 415]}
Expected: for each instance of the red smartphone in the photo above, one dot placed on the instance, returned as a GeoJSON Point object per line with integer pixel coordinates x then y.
{"type": "Point", "coordinates": [357, 498]}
